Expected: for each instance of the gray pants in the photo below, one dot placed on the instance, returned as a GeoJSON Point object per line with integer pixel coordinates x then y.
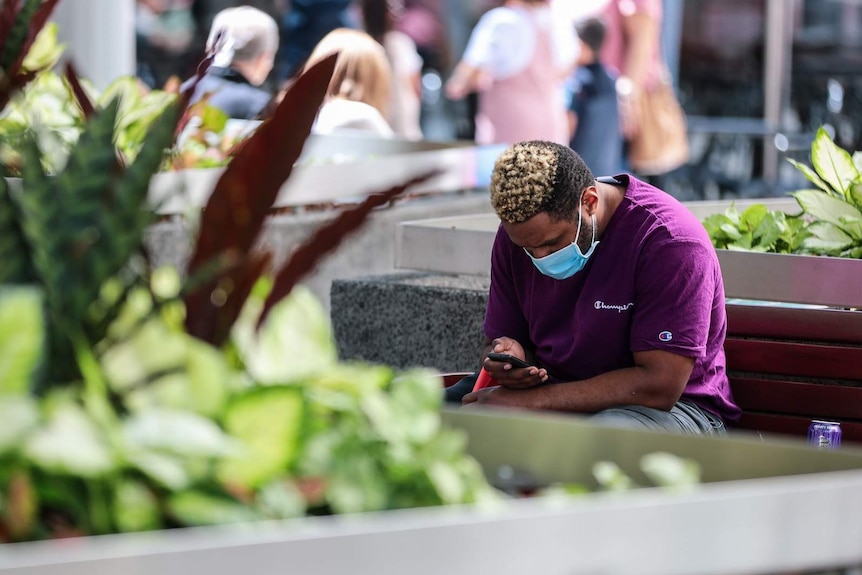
{"type": "Point", "coordinates": [684, 417]}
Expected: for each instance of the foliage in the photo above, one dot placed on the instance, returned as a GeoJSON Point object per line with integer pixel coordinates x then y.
{"type": "Point", "coordinates": [134, 400]}
{"type": "Point", "coordinates": [756, 229]}
{"type": "Point", "coordinates": [48, 111]}
{"type": "Point", "coordinates": [21, 56]}
{"type": "Point", "coordinates": [196, 441]}
{"type": "Point", "coordinates": [76, 234]}
{"type": "Point", "coordinates": [830, 222]}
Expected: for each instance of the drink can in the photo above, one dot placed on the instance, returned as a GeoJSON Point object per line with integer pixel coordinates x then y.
{"type": "Point", "coordinates": [824, 434]}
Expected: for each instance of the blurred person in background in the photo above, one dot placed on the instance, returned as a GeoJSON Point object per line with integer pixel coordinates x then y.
{"type": "Point", "coordinates": [305, 23]}
{"type": "Point", "coordinates": [422, 20]}
{"type": "Point", "coordinates": [205, 11]}
{"type": "Point", "coordinates": [593, 109]}
{"type": "Point", "coordinates": [243, 41]}
{"type": "Point", "coordinates": [358, 96]}
{"type": "Point", "coordinates": [164, 32]}
{"type": "Point", "coordinates": [516, 60]}
{"type": "Point", "coordinates": [379, 18]}
{"type": "Point", "coordinates": [632, 49]}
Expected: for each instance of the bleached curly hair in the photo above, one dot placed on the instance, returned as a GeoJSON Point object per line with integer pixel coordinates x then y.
{"type": "Point", "coordinates": [538, 176]}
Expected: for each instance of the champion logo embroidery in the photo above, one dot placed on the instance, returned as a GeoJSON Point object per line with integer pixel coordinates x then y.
{"type": "Point", "coordinates": [665, 336]}
{"type": "Point", "coordinates": [619, 308]}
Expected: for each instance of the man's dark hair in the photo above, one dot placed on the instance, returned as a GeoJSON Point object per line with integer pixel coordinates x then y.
{"type": "Point", "coordinates": [592, 32]}
{"type": "Point", "coordinates": [538, 176]}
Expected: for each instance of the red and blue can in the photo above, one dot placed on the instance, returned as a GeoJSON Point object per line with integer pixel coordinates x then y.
{"type": "Point", "coordinates": [824, 434]}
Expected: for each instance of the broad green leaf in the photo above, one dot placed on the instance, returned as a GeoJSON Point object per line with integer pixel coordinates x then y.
{"type": "Point", "coordinates": [20, 416]}
{"type": "Point", "coordinates": [153, 349]}
{"type": "Point", "coordinates": [744, 241]}
{"type": "Point", "coordinates": [135, 507]}
{"type": "Point", "coordinates": [752, 216]}
{"type": "Point", "coordinates": [198, 508]}
{"type": "Point", "coordinates": [670, 471]}
{"type": "Point", "coordinates": [611, 478]}
{"type": "Point", "coordinates": [731, 231]}
{"type": "Point", "coordinates": [812, 176]}
{"type": "Point", "coordinates": [45, 50]}
{"type": "Point", "coordinates": [771, 228]}
{"type": "Point", "coordinates": [281, 500]}
{"type": "Point", "coordinates": [833, 164]}
{"type": "Point", "coordinates": [294, 343]}
{"type": "Point", "coordinates": [71, 444]}
{"type": "Point", "coordinates": [200, 383]}
{"type": "Point", "coordinates": [178, 432]}
{"type": "Point", "coordinates": [830, 209]}
{"type": "Point", "coordinates": [268, 422]}
{"type": "Point", "coordinates": [856, 194]}
{"type": "Point", "coordinates": [857, 160]}
{"type": "Point", "coordinates": [855, 253]}
{"type": "Point", "coordinates": [447, 482]}
{"type": "Point", "coordinates": [165, 469]}
{"type": "Point", "coordinates": [22, 337]}
{"type": "Point", "coordinates": [826, 237]}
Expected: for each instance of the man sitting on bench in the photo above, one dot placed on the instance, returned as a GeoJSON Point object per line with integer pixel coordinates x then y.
{"type": "Point", "coordinates": [611, 290]}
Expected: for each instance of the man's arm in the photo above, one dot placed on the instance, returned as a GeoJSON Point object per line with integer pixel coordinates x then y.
{"type": "Point", "coordinates": [657, 380]}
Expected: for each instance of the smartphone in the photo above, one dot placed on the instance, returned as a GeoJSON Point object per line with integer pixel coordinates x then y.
{"type": "Point", "coordinates": [506, 358]}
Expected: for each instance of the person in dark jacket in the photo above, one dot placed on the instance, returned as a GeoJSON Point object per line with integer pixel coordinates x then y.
{"type": "Point", "coordinates": [244, 41]}
{"type": "Point", "coordinates": [305, 24]}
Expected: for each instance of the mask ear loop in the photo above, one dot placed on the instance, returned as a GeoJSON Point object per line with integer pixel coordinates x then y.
{"type": "Point", "coordinates": [580, 221]}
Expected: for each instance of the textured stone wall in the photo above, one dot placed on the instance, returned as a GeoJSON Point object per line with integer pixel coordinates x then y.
{"type": "Point", "coordinates": [411, 319]}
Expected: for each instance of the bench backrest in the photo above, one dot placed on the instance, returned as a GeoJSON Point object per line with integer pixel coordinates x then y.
{"type": "Point", "coordinates": [788, 366]}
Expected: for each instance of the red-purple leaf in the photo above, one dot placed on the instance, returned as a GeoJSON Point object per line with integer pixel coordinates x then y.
{"type": "Point", "coordinates": [244, 195]}
{"type": "Point", "coordinates": [14, 84]}
{"type": "Point", "coordinates": [324, 240]}
{"type": "Point", "coordinates": [7, 19]}
{"type": "Point", "coordinates": [227, 299]}
{"type": "Point", "coordinates": [188, 92]}
{"type": "Point", "coordinates": [84, 103]}
{"type": "Point", "coordinates": [40, 18]}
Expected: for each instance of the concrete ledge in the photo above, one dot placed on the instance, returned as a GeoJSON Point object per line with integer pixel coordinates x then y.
{"type": "Point", "coordinates": [370, 250]}
{"type": "Point", "coordinates": [411, 319]}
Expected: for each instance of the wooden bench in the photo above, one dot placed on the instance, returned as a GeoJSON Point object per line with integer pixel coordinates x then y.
{"type": "Point", "coordinates": [794, 341]}
{"type": "Point", "coordinates": [789, 365]}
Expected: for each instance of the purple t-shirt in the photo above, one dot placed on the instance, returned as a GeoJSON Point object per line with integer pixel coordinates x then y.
{"type": "Point", "coordinates": [653, 282]}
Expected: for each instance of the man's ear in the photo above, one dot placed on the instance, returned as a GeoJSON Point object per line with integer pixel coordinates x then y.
{"type": "Point", "coordinates": [590, 198]}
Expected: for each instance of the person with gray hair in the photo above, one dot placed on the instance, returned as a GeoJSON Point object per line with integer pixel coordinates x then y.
{"type": "Point", "coordinates": [610, 290]}
{"type": "Point", "coordinates": [243, 41]}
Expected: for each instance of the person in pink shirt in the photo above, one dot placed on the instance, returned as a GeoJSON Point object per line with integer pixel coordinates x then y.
{"type": "Point", "coordinates": [516, 59]}
{"type": "Point", "coordinates": [632, 49]}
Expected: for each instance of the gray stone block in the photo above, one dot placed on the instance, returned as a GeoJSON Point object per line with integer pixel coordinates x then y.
{"type": "Point", "coordinates": [411, 319]}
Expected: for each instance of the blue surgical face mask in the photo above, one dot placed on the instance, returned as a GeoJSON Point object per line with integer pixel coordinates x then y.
{"type": "Point", "coordinates": [566, 262]}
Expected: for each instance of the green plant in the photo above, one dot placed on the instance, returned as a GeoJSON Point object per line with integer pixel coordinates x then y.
{"type": "Point", "coordinates": [133, 399]}
{"type": "Point", "coordinates": [830, 221]}
{"type": "Point", "coordinates": [835, 206]}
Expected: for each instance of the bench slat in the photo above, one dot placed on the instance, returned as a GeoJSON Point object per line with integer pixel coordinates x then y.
{"type": "Point", "coordinates": [827, 325]}
{"type": "Point", "coordinates": [794, 358]}
{"type": "Point", "coordinates": [851, 431]}
{"type": "Point", "coordinates": [794, 398]}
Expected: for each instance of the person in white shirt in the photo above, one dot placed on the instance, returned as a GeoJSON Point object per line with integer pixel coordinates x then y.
{"type": "Point", "coordinates": [517, 59]}
{"type": "Point", "coordinates": [358, 97]}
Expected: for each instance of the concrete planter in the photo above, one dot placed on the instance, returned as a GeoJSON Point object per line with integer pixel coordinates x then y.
{"type": "Point", "coordinates": [763, 507]}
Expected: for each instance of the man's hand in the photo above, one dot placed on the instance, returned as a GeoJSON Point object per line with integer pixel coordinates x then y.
{"type": "Point", "coordinates": [506, 374]}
